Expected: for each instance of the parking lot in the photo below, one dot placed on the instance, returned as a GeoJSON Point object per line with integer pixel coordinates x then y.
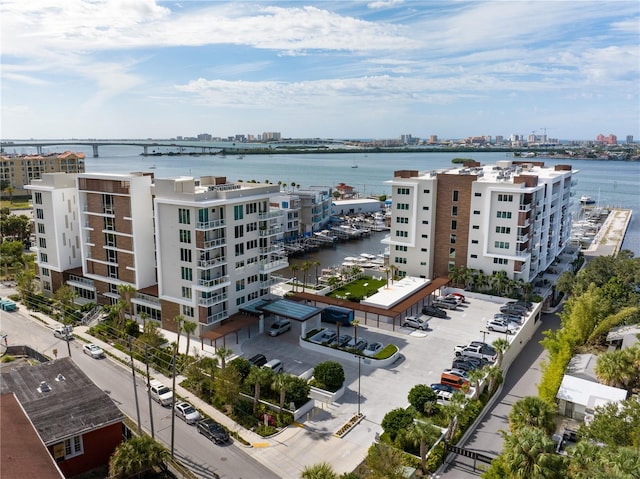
{"type": "Point", "coordinates": [423, 356]}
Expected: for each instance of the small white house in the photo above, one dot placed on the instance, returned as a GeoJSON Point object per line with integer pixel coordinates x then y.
{"type": "Point", "coordinates": [578, 398]}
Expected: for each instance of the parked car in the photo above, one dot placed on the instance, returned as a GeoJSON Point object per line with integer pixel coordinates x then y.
{"type": "Point", "coordinates": [460, 296]}
{"type": "Point", "coordinates": [214, 431]}
{"type": "Point", "coordinates": [434, 311]}
{"type": "Point", "coordinates": [525, 304]}
{"type": "Point", "coordinates": [511, 318]}
{"type": "Point", "coordinates": [443, 391]}
{"type": "Point", "coordinates": [342, 340]}
{"type": "Point", "coordinates": [63, 332]}
{"type": "Point", "coordinates": [187, 412]}
{"type": "Point", "coordinates": [358, 345]}
{"type": "Point", "coordinates": [258, 360]}
{"type": "Point", "coordinates": [372, 349]}
{"type": "Point", "coordinates": [445, 303]}
{"type": "Point", "coordinates": [93, 350]}
{"type": "Point", "coordinates": [160, 393]}
{"type": "Point", "coordinates": [513, 309]}
{"type": "Point", "coordinates": [327, 336]}
{"type": "Point", "coordinates": [457, 372]}
{"type": "Point", "coordinates": [466, 363]}
{"type": "Point", "coordinates": [279, 327]}
{"type": "Point", "coordinates": [500, 326]}
{"type": "Point", "coordinates": [417, 322]}
{"type": "Point", "coordinates": [480, 351]}
{"type": "Point", "coordinates": [275, 365]}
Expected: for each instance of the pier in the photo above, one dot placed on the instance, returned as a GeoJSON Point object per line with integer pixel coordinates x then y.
{"type": "Point", "coordinates": [608, 241]}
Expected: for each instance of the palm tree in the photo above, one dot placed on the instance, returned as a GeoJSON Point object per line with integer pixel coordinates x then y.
{"type": "Point", "coordinates": [306, 265]}
{"type": "Point", "coordinates": [317, 264]}
{"type": "Point", "coordinates": [393, 269]}
{"type": "Point", "coordinates": [500, 345]}
{"type": "Point", "coordinates": [530, 454]}
{"type": "Point", "coordinates": [452, 410]}
{"type": "Point", "coordinates": [322, 470]}
{"type": "Point", "coordinates": [294, 269]}
{"type": "Point", "coordinates": [532, 411]}
{"type": "Point", "coordinates": [475, 376]}
{"type": "Point", "coordinates": [281, 383]}
{"type": "Point", "coordinates": [127, 292]}
{"type": "Point", "coordinates": [257, 378]}
{"type": "Point", "coordinates": [499, 281]}
{"type": "Point", "coordinates": [136, 456]}
{"type": "Point", "coordinates": [223, 353]}
{"type": "Point", "coordinates": [494, 375]}
{"type": "Point", "coordinates": [456, 275]}
{"type": "Point", "coordinates": [355, 323]}
{"type": "Point", "coordinates": [189, 327]}
{"type": "Point", "coordinates": [421, 433]}
{"type": "Point", "coordinates": [617, 368]}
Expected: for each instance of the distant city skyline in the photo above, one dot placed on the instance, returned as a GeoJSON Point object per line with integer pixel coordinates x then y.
{"type": "Point", "coordinates": [326, 69]}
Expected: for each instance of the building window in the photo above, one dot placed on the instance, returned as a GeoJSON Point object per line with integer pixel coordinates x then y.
{"type": "Point", "coordinates": [39, 213]}
{"type": "Point", "coordinates": [425, 236]}
{"type": "Point", "coordinates": [501, 244]}
{"type": "Point", "coordinates": [110, 240]}
{"type": "Point", "coordinates": [503, 214]}
{"type": "Point", "coordinates": [185, 255]}
{"type": "Point", "coordinates": [454, 211]}
{"type": "Point", "coordinates": [452, 239]}
{"type": "Point", "coordinates": [252, 244]}
{"type": "Point", "coordinates": [38, 198]}
{"type": "Point", "coordinates": [45, 271]}
{"type": "Point", "coordinates": [185, 236]}
{"type": "Point", "coordinates": [240, 300]}
{"type": "Point", "coordinates": [186, 292]}
{"type": "Point", "coordinates": [455, 195]}
{"type": "Point", "coordinates": [454, 224]}
{"type": "Point", "coordinates": [476, 212]}
{"type": "Point", "coordinates": [402, 234]}
{"type": "Point", "coordinates": [240, 285]}
{"type": "Point", "coordinates": [503, 229]}
{"type": "Point", "coordinates": [500, 261]}
{"type": "Point", "coordinates": [401, 248]}
{"type": "Point", "coordinates": [184, 216]}
{"type": "Point", "coordinates": [425, 222]}
{"type": "Point", "coordinates": [187, 311]}
{"type": "Point", "coordinates": [475, 227]}
{"type": "Point", "coordinates": [452, 253]}
{"type": "Point", "coordinates": [253, 226]}
{"type": "Point", "coordinates": [426, 191]}
{"type": "Point", "coordinates": [239, 249]}
{"type": "Point", "coordinates": [42, 242]}
{"type": "Point", "coordinates": [238, 212]}
{"type": "Point", "coordinates": [109, 223]}
{"type": "Point", "coordinates": [424, 250]}
{"type": "Point", "coordinates": [73, 447]}
{"type": "Point", "coordinates": [403, 206]}
{"type": "Point", "coordinates": [402, 219]}
{"type": "Point", "coordinates": [112, 271]}
{"type": "Point", "coordinates": [186, 273]}
{"type": "Point", "coordinates": [425, 208]}
{"type": "Point", "coordinates": [403, 191]}
{"type": "Point", "coordinates": [239, 264]}
{"type": "Point", "coordinates": [505, 198]}
{"type": "Point", "coordinates": [239, 231]}
{"type": "Point", "coordinates": [474, 256]}
{"type": "Point", "coordinates": [43, 257]}
{"type": "Point", "coordinates": [41, 228]}
{"type": "Point", "coordinates": [112, 256]}
{"type": "Point", "coordinates": [474, 241]}
{"type": "Point", "coordinates": [399, 260]}
{"type": "Point", "coordinates": [251, 208]}
{"type": "Point", "coordinates": [477, 195]}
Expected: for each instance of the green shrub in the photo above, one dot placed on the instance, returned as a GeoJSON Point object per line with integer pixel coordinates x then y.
{"type": "Point", "coordinates": [395, 421]}
{"type": "Point", "coordinates": [7, 358]}
{"type": "Point", "coordinates": [265, 431]}
{"type": "Point", "coordinates": [331, 374]}
{"type": "Point", "coordinates": [423, 399]}
{"type": "Point", "coordinates": [298, 391]}
{"type": "Point", "coordinates": [388, 351]}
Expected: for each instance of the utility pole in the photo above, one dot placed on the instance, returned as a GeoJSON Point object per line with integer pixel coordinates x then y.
{"type": "Point", "coordinates": [146, 360]}
{"type": "Point", "coordinates": [135, 390]}
{"type": "Point", "coordinates": [173, 400]}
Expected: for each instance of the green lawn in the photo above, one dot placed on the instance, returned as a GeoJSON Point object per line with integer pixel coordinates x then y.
{"type": "Point", "coordinates": [359, 289]}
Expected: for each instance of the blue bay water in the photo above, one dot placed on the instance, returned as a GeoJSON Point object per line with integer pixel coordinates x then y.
{"type": "Point", "coordinates": [611, 183]}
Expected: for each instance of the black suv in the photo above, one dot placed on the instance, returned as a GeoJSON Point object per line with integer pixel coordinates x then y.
{"type": "Point", "coordinates": [258, 360]}
{"type": "Point", "coordinates": [214, 431]}
{"type": "Point", "coordinates": [434, 311]}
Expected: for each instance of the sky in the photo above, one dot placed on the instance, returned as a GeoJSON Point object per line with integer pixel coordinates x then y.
{"type": "Point", "coordinates": [378, 69]}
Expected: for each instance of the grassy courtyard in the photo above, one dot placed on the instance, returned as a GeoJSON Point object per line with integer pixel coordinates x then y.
{"type": "Point", "coordinates": [358, 289]}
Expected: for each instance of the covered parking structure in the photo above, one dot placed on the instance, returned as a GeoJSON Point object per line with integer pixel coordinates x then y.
{"type": "Point", "coordinates": [232, 325]}
{"type": "Point", "coordinates": [412, 304]}
{"type": "Point", "coordinates": [293, 311]}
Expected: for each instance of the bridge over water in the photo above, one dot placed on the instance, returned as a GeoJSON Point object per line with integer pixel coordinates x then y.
{"type": "Point", "coordinates": [205, 147]}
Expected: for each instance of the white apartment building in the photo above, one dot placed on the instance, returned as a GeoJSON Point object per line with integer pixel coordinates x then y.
{"type": "Point", "coordinates": [56, 228]}
{"type": "Point", "coordinates": [215, 246]}
{"type": "Point", "coordinates": [514, 216]}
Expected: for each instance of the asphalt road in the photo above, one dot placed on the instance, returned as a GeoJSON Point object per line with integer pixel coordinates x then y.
{"type": "Point", "coordinates": [197, 452]}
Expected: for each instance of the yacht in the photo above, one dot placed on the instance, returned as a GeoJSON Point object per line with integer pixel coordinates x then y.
{"type": "Point", "coordinates": [587, 200]}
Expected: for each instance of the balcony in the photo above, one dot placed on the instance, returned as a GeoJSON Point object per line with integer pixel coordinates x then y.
{"type": "Point", "coordinates": [208, 225]}
{"type": "Point", "coordinates": [219, 282]}
{"type": "Point", "coordinates": [80, 281]}
{"type": "Point", "coordinates": [525, 207]}
{"type": "Point", "coordinates": [270, 215]}
{"type": "Point", "coordinates": [214, 243]}
{"type": "Point", "coordinates": [208, 263]}
{"type": "Point", "coordinates": [146, 298]}
{"type": "Point", "coordinates": [522, 238]}
{"type": "Point", "coordinates": [270, 232]}
{"type": "Point", "coordinates": [267, 284]}
{"type": "Point", "coordinates": [217, 299]}
{"type": "Point", "coordinates": [277, 249]}
{"type": "Point", "coordinates": [218, 317]}
{"type": "Point", "coordinates": [268, 266]}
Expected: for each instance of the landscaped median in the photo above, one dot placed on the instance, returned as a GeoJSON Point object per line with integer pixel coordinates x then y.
{"type": "Point", "coordinates": [385, 357]}
{"type": "Point", "coordinates": [353, 422]}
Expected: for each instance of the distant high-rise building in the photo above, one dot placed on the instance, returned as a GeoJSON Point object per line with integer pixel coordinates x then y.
{"type": "Point", "coordinates": [204, 137]}
{"type": "Point", "coordinates": [607, 140]}
{"type": "Point", "coordinates": [271, 136]}
{"type": "Point", "coordinates": [629, 139]}
{"type": "Point", "coordinates": [433, 139]}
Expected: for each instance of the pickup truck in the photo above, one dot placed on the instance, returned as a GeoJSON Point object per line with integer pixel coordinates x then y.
{"type": "Point", "coordinates": [480, 351]}
{"type": "Point", "coordinates": [160, 393]}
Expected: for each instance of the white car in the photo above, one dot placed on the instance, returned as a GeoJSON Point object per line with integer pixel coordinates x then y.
{"type": "Point", "coordinates": [500, 326]}
{"type": "Point", "coordinates": [417, 322]}
{"type": "Point", "coordinates": [93, 350]}
{"type": "Point", "coordinates": [280, 326]}
{"type": "Point", "coordinates": [63, 332]}
{"type": "Point", "coordinates": [372, 349]}
{"type": "Point", "coordinates": [187, 413]}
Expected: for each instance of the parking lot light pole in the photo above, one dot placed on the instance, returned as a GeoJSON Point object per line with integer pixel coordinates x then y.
{"type": "Point", "coordinates": [359, 360]}
{"type": "Point", "coordinates": [484, 335]}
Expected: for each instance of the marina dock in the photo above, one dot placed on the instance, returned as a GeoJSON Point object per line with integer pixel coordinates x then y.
{"type": "Point", "coordinates": [608, 241]}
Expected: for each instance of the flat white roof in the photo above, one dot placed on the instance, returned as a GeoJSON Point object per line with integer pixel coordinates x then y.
{"type": "Point", "coordinates": [588, 393]}
{"type": "Point", "coordinates": [396, 291]}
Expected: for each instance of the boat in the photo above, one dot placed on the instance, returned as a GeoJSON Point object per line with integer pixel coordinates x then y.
{"type": "Point", "coordinates": [354, 164]}
{"type": "Point", "coordinates": [587, 200]}
{"type": "Point", "coordinates": [152, 167]}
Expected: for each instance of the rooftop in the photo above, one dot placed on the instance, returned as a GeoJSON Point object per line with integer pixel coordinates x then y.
{"type": "Point", "coordinates": [72, 406]}
{"type": "Point", "coordinates": [588, 393]}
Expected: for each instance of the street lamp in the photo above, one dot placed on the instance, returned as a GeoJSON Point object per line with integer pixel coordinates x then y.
{"type": "Point", "coordinates": [484, 335]}
{"type": "Point", "coordinates": [359, 362]}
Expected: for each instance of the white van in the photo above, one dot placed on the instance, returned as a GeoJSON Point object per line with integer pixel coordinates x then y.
{"type": "Point", "coordinates": [63, 332]}
{"type": "Point", "coordinates": [275, 365]}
